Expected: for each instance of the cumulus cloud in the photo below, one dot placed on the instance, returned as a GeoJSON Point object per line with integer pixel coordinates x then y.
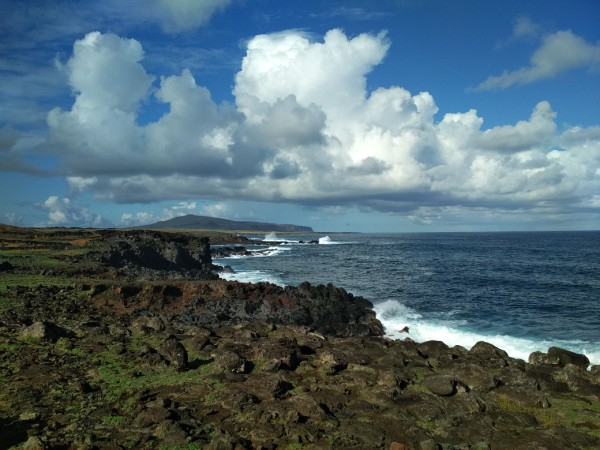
{"type": "Point", "coordinates": [559, 52]}
{"type": "Point", "coordinates": [62, 211]}
{"type": "Point", "coordinates": [305, 129]}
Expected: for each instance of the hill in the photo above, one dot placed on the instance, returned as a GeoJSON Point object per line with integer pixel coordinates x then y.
{"type": "Point", "coordinates": [193, 222]}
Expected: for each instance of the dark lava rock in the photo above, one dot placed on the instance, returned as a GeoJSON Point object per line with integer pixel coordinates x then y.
{"type": "Point", "coordinates": [174, 352]}
{"type": "Point", "coordinates": [474, 376]}
{"type": "Point", "coordinates": [492, 355]}
{"type": "Point", "coordinates": [152, 253]}
{"type": "Point", "coordinates": [560, 357]}
{"type": "Point", "coordinates": [565, 357]}
{"type": "Point", "coordinates": [5, 266]}
{"type": "Point", "coordinates": [440, 384]}
{"type": "Point", "coordinates": [231, 362]}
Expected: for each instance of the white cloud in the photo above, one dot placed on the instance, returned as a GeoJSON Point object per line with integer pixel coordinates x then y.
{"type": "Point", "coordinates": [66, 212]}
{"type": "Point", "coordinates": [12, 219]}
{"type": "Point", "coordinates": [148, 217]}
{"type": "Point", "coordinates": [329, 73]}
{"type": "Point", "coordinates": [537, 132]}
{"type": "Point", "coordinates": [305, 129]}
{"type": "Point", "coordinates": [559, 52]}
{"type": "Point", "coordinates": [219, 209]}
{"type": "Point", "coordinates": [105, 73]}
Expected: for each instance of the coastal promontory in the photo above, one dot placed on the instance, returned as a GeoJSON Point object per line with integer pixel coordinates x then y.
{"type": "Point", "coordinates": [115, 339]}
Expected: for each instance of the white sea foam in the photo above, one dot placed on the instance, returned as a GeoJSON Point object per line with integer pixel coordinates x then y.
{"type": "Point", "coordinates": [394, 316]}
{"type": "Point", "coordinates": [272, 237]}
{"type": "Point", "coordinates": [258, 253]}
{"type": "Point", "coordinates": [326, 240]}
{"type": "Point", "coordinates": [270, 251]}
{"type": "Point", "coordinates": [252, 276]}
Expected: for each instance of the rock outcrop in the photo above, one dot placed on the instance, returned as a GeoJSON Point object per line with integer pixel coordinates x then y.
{"type": "Point", "coordinates": [326, 308]}
{"type": "Point", "coordinates": [152, 254]}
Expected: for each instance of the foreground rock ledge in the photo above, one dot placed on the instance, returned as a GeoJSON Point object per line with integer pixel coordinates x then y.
{"type": "Point", "coordinates": [122, 358]}
{"type": "Point", "coordinates": [87, 378]}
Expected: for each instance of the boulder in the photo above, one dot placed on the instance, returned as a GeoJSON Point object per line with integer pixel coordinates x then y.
{"type": "Point", "coordinates": [231, 362]}
{"type": "Point", "coordinates": [474, 376]}
{"type": "Point", "coordinates": [539, 358]}
{"type": "Point", "coordinates": [489, 354]}
{"type": "Point", "coordinates": [559, 357]}
{"type": "Point", "coordinates": [174, 353]}
{"type": "Point", "coordinates": [46, 331]}
{"type": "Point", "coordinates": [278, 354]}
{"type": "Point", "coordinates": [520, 395]}
{"type": "Point", "coordinates": [567, 357]}
{"type": "Point", "coordinates": [440, 384]}
{"type": "Point", "coordinates": [331, 362]}
{"type": "Point", "coordinates": [432, 349]}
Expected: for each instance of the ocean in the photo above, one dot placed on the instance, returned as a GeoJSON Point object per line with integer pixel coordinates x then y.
{"type": "Point", "coordinates": [521, 291]}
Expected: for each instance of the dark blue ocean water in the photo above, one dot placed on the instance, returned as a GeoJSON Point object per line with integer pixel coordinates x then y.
{"type": "Point", "coordinates": [520, 291]}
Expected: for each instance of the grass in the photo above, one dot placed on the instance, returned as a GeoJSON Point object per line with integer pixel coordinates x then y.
{"type": "Point", "coordinates": [567, 413]}
{"type": "Point", "coordinates": [295, 446]}
{"type": "Point", "coordinates": [119, 376]}
{"type": "Point", "coordinates": [41, 258]}
{"type": "Point", "coordinates": [190, 446]}
{"type": "Point", "coordinates": [32, 280]}
{"type": "Point", "coordinates": [113, 420]}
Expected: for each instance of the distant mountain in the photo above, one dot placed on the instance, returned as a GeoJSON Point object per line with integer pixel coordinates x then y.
{"type": "Point", "coordinates": [193, 222]}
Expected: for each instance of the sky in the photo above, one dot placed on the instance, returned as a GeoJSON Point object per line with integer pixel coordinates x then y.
{"type": "Point", "coordinates": [387, 116]}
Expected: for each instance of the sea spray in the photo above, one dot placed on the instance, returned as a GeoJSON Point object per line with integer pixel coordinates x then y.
{"type": "Point", "coordinates": [394, 316]}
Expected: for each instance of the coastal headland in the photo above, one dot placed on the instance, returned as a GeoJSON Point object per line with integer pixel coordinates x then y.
{"type": "Point", "coordinates": [115, 339]}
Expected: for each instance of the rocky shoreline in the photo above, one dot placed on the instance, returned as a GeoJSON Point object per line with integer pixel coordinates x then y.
{"type": "Point", "coordinates": [128, 339]}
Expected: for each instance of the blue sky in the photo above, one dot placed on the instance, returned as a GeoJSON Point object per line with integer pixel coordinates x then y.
{"type": "Point", "coordinates": [396, 115]}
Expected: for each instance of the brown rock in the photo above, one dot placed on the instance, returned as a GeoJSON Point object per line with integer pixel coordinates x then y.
{"type": "Point", "coordinates": [398, 446]}
{"type": "Point", "coordinates": [474, 376]}
{"type": "Point", "coordinates": [440, 384]}
{"type": "Point", "coordinates": [489, 354]}
{"type": "Point", "coordinates": [232, 362]}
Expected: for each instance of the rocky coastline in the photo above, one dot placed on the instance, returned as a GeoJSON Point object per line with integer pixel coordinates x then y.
{"type": "Point", "coordinates": [113, 339]}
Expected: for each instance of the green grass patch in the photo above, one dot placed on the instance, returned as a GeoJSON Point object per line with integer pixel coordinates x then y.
{"type": "Point", "coordinates": [31, 280]}
{"type": "Point", "coordinates": [114, 421]}
{"type": "Point", "coordinates": [568, 413]}
{"type": "Point", "coordinates": [190, 446]}
{"type": "Point", "coordinates": [46, 259]}
{"type": "Point", "coordinates": [120, 375]}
